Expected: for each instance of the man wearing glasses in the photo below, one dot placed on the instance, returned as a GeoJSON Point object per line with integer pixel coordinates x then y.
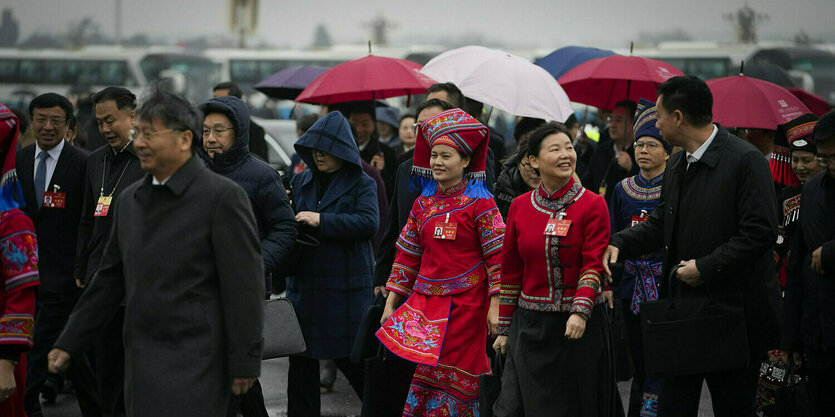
{"type": "Point", "coordinates": [51, 175]}
{"type": "Point", "coordinates": [808, 311]}
{"type": "Point", "coordinates": [612, 160]}
{"type": "Point", "coordinates": [226, 151]}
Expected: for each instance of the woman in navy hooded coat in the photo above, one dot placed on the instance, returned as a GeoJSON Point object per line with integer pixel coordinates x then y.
{"type": "Point", "coordinates": [336, 207]}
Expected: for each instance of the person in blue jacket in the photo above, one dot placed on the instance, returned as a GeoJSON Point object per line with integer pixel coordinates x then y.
{"type": "Point", "coordinates": [336, 208]}
{"type": "Point", "coordinates": [633, 199]}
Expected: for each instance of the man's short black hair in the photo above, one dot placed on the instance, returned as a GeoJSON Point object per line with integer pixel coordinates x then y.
{"type": "Point", "coordinates": [630, 107]}
{"type": "Point", "coordinates": [173, 111]}
{"type": "Point", "coordinates": [571, 122]}
{"type": "Point", "coordinates": [689, 95]}
{"type": "Point", "coordinates": [125, 100]}
{"type": "Point", "coordinates": [537, 136]}
{"type": "Point", "coordinates": [454, 95]}
{"type": "Point", "coordinates": [435, 102]}
{"type": "Point", "coordinates": [232, 89]}
{"type": "Point", "coordinates": [526, 125]}
{"type": "Point", "coordinates": [306, 122]}
{"type": "Point", "coordinates": [824, 130]}
{"type": "Point", "coordinates": [49, 100]}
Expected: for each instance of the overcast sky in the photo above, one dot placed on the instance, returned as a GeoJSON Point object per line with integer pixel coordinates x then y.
{"type": "Point", "coordinates": [530, 23]}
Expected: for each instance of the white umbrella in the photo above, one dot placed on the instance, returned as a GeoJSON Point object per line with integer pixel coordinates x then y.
{"type": "Point", "coordinates": [502, 80]}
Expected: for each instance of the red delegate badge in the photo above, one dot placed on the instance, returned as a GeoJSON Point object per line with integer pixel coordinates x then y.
{"type": "Point", "coordinates": [557, 227]}
{"type": "Point", "coordinates": [445, 231]}
{"type": "Point", "coordinates": [54, 200]}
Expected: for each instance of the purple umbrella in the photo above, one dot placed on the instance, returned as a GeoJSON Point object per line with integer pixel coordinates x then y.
{"type": "Point", "coordinates": [289, 82]}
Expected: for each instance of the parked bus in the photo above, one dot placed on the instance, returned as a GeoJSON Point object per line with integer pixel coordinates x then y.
{"type": "Point", "coordinates": [25, 74]}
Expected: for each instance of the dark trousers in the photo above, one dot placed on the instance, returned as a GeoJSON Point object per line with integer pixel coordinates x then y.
{"type": "Point", "coordinates": [52, 312]}
{"type": "Point", "coordinates": [640, 382]}
{"type": "Point", "coordinates": [733, 392]}
{"type": "Point", "coordinates": [110, 365]}
{"type": "Point", "coordinates": [250, 404]}
{"type": "Point", "coordinates": [303, 384]}
{"type": "Point", "coordinates": [821, 366]}
{"type": "Point", "coordinates": [491, 385]}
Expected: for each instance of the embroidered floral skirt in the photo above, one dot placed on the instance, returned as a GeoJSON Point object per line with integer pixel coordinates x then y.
{"type": "Point", "coordinates": [445, 335]}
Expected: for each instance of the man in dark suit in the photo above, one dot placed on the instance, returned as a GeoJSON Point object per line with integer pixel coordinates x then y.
{"type": "Point", "coordinates": [716, 222]}
{"type": "Point", "coordinates": [184, 254]}
{"type": "Point", "coordinates": [110, 169]}
{"type": "Point", "coordinates": [51, 174]}
{"type": "Point", "coordinates": [613, 158]}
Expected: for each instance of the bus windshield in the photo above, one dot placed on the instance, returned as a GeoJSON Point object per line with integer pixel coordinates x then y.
{"type": "Point", "coordinates": [198, 74]}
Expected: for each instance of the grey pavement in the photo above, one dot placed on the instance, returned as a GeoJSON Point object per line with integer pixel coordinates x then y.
{"type": "Point", "coordinates": [341, 401]}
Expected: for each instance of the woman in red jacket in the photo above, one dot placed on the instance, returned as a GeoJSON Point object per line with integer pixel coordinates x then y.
{"type": "Point", "coordinates": [19, 279]}
{"type": "Point", "coordinates": [447, 264]}
{"type": "Point", "coordinates": [557, 339]}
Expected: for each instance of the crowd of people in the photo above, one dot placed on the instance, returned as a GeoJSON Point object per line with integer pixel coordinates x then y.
{"type": "Point", "coordinates": [505, 281]}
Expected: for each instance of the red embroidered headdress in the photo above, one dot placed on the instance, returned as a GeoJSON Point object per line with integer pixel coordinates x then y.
{"type": "Point", "coordinates": [460, 131]}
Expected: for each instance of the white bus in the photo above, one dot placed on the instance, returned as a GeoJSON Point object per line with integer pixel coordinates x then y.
{"type": "Point", "coordinates": [25, 74]}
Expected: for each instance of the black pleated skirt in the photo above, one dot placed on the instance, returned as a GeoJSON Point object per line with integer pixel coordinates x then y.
{"type": "Point", "coordinates": [548, 375]}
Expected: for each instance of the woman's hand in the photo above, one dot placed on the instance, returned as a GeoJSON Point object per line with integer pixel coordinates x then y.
{"type": "Point", "coordinates": [493, 316]}
{"type": "Point", "coordinates": [501, 344]}
{"type": "Point", "coordinates": [308, 217]}
{"type": "Point", "coordinates": [391, 304]}
{"type": "Point", "coordinates": [7, 382]}
{"type": "Point", "coordinates": [575, 326]}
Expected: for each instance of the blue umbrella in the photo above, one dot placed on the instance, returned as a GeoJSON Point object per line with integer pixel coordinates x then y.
{"type": "Point", "coordinates": [289, 82]}
{"type": "Point", "coordinates": [564, 59]}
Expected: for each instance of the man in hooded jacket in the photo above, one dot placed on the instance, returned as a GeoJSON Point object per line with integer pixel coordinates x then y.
{"type": "Point", "coordinates": [226, 151]}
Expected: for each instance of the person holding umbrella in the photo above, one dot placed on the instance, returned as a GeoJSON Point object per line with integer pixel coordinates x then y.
{"type": "Point", "coordinates": [451, 278]}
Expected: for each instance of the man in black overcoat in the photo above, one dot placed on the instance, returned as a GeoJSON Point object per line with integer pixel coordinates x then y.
{"type": "Point", "coordinates": [184, 254]}
{"type": "Point", "coordinates": [716, 220]}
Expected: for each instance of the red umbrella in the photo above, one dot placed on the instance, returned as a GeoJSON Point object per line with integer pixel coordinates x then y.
{"type": "Point", "coordinates": [740, 101]}
{"type": "Point", "coordinates": [368, 78]}
{"type": "Point", "coordinates": [602, 82]}
{"type": "Point", "coordinates": [814, 102]}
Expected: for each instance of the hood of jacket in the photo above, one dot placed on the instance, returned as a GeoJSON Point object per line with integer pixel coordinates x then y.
{"type": "Point", "coordinates": [238, 113]}
{"type": "Point", "coordinates": [330, 134]}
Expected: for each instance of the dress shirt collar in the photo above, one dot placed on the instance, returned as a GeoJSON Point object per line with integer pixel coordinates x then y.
{"type": "Point", "coordinates": [54, 153]}
{"type": "Point", "coordinates": [697, 155]}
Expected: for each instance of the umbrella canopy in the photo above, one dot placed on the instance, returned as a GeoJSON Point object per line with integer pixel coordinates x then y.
{"type": "Point", "coordinates": [502, 80]}
{"type": "Point", "coordinates": [814, 102]}
{"type": "Point", "coordinates": [562, 60]}
{"type": "Point", "coordinates": [740, 101]}
{"type": "Point", "coordinates": [288, 83]}
{"type": "Point", "coordinates": [602, 82]}
{"type": "Point", "coordinates": [768, 72]}
{"type": "Point", "coordinates": [365, 79]}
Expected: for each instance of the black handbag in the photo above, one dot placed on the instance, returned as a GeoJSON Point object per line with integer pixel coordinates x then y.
{"type": "Point", "coordinates": [365, 342]}
{"type": "Point", "coordinates": [693, 336]}
{"type": "Point", "coordinates": [387, 380]}
{"type": "Point", "coordinates": [282, 334]}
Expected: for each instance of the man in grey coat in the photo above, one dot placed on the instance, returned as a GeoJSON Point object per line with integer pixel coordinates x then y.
{"type": "Point", "coordinates": [185, 255]}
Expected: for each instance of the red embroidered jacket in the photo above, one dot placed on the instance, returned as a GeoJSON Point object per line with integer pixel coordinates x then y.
{"type": "Point", "coordinates": [443, 267]}
{"type": "Point", "coordinates": [19, 259]}
{"type": "Point", "coordinates": [551, 273]}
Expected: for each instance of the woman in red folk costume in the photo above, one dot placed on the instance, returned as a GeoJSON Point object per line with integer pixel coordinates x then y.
{"type": "Point", "coordinates": [19, 259]}
{"type": "Point", "coordinates": [552, 322]}
{"type": "Point", "coordinates": [447, 265]}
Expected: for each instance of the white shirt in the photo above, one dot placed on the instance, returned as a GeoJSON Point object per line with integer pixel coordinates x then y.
{"type": "Point", "coordinates": [154, 180]}
{"type": "Point", "coordinates": [51, 162]}
{"type": "Point", "coordinates": [697, 155]}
